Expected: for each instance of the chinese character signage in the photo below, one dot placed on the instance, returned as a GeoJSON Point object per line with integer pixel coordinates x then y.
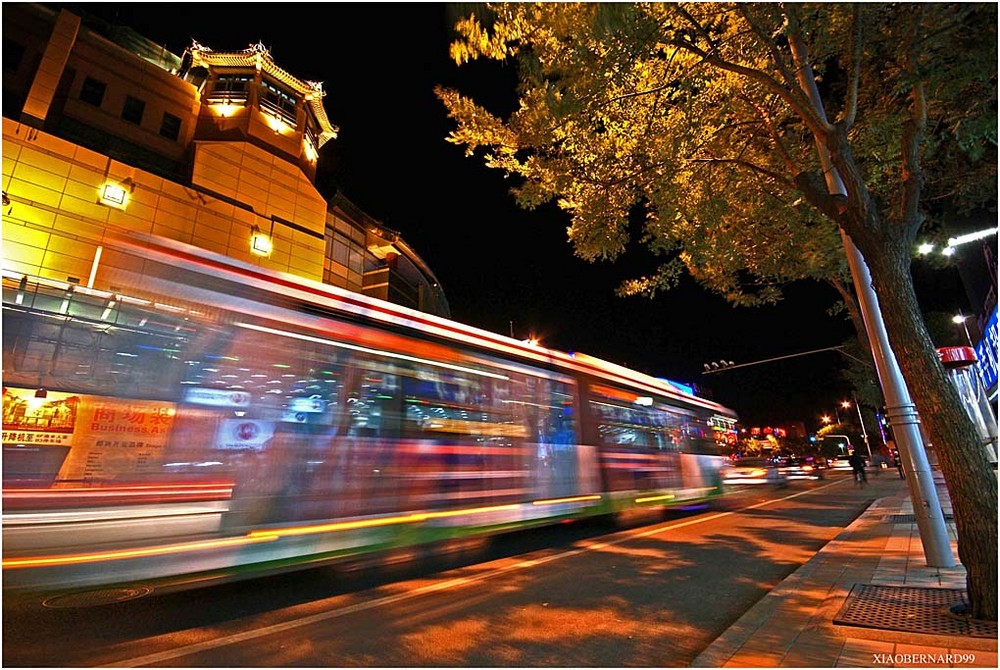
{"type": "Point", "coordinates": [986, 352]}
{"type": "Point", "coordinates": [107, 438]}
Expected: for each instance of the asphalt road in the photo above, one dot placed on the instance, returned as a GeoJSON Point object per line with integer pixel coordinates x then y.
{"type": "Point", "coordinates": [580, 595]}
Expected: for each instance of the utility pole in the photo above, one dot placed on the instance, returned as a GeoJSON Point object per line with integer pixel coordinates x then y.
{"type": "Point", "coordinates": [900, 410]}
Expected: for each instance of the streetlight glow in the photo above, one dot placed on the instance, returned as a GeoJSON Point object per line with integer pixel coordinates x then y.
{"type": "Point", "coordinates": [971, 237]}
{"type": "Point", "coordinates": [953, 242]}
{"type": "Point", "coordinates": [960, 319]}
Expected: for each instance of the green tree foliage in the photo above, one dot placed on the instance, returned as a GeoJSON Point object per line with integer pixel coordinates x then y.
{"type": "Point", "coordinates": [697, 118]}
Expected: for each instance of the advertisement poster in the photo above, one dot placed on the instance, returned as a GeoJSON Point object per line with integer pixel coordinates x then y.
{"type": "Point", "coordinates": [33, 417]}
{"type": "Point", "coordinates": [106, 438]}
{"type": "Point", "coordinates": [244, 434]}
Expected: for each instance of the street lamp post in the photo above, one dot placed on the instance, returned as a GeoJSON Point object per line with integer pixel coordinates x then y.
{"type": "Point", "coordinates": [903, 416]}
{"type": "Point", "coordinates": [961, 318]}
{"type": "Point", "coordinates": [981, 401]}
{"type": "Point", "coordinates": [864, 433]}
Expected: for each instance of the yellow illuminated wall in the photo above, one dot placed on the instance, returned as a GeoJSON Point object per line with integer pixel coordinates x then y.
{"type": "Point", "coordinates": [206, 180]}
{"type": "Point", "coordinates": [272, 187]}
{"type": "Point", "coordinates": [54, 219]}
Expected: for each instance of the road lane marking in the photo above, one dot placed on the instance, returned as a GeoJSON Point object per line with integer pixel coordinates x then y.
{"type": "Point", "coordinates": [209, 645]}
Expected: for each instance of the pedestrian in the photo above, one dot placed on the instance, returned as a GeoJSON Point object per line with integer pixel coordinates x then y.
{"type": "Point", "coordinates": [857, 462]}
{"type": "Point", "coordinates": [878, 462]}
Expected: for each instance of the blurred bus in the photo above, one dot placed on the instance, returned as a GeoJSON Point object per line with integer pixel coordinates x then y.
{"type": "Point", "coordinates": [189, 418]}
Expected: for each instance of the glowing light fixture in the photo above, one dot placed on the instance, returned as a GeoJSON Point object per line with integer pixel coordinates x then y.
{"type": "Point", "coordinates": [310, 150]}
{"type": "Point", "coordinates": [971, 237]}
{"type": "Point", "coordinates": [225, 109]}
{"type": "Point", "coordinates": [260, 243]}
{"type": "Point", "coordinates": [114, 195]}
{"type": "Point", "coordinates": [949, 249]}
{"type": "Point", "coordinates": [277, 124]}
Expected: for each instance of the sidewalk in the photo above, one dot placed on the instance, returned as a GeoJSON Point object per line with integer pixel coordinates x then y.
{"type": "Point", "coordinates": [867, 599]}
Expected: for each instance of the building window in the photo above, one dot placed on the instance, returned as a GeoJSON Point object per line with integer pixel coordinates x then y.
{"type": "Point", "coordinates": [170, 126]}
{"type": "Point", "coordinates": [132, 109]}
{"type": "Point", "coordinates": [278, 102]}
{"type": "Point", "coordinates": [229, 88]}
{"type": "Point", "coordinates": [92, 91]}
{"type": "Point", "coordinates": [231, 82]}
{"type": "Point", "coordinates": [311, 134]}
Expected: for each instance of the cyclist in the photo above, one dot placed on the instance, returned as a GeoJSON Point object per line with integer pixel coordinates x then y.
{"type": "Point", "coordinates": [857, 462]}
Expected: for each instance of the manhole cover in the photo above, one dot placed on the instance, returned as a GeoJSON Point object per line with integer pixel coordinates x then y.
{"type": "Point", "coordinates": [97, 597]}
{"type": "Point", "coordinates": [912, 610]}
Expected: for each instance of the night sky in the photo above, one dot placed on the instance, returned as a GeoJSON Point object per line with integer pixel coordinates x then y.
{"type": "Point", "coordinates": [502, 266]}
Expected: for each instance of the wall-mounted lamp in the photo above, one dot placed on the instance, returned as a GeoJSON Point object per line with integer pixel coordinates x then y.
{"type": "Point", "coordinates": [277, 124]}
{"type": "Point", "coordinates": [115, 194]}
{"type": "Point", "coordinates": [311, 153]}
{"type": "Point", "coordinates": [41, 394]}
{"type": "Point", "coordinates": [260, 243]}
{"type": "Point", "coordinates": [225, 109]}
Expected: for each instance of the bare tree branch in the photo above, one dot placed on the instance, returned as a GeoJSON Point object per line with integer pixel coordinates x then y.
{"type": "Point", "coordinates": [857, 40]}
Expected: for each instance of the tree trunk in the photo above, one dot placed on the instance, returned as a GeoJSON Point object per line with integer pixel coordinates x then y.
{"type": "Point", "coordinates": [968, 473]}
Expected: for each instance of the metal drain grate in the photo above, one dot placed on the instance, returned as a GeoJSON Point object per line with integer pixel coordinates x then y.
{"type": "Point", "coordinates": [97, 597]}
{"type": "Point", "coordinates": [912, 610]}
{"type": "Point", "coordinates": [910, 518]}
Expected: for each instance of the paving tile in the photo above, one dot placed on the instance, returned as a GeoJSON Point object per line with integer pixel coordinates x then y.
{"type": "Point", "coordinates": [800, 612]}
{"type": "Point", "coordinates": [806, 653]}
{"type": "Point", "coordinates": [965, 658]}
{"type": "Point", "coordinates": [756, 660]}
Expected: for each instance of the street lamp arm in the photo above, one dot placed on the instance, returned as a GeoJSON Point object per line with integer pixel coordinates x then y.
{"type": "Point", "coordinates": [852, 357]}
{"type": "Point", "coordinates": [776, 358]}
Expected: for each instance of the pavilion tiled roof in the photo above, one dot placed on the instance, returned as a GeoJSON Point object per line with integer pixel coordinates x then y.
{"type": "Point", "coordinates": [258, 56]}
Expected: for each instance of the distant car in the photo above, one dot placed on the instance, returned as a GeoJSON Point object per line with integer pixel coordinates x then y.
{"type": "Point", "coordinates": [840, 463]}
{"type": "Point", "coordinates": [753, 471]}
{"type": "Point", "coordinates": [800, 469]}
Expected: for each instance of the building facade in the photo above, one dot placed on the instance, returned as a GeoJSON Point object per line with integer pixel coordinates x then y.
{"type": "Point", "coordinates": [105, 131]}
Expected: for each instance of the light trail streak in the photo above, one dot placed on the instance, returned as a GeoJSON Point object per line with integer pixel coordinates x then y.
{"type": "Point", "coordinates": [223, 641]}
